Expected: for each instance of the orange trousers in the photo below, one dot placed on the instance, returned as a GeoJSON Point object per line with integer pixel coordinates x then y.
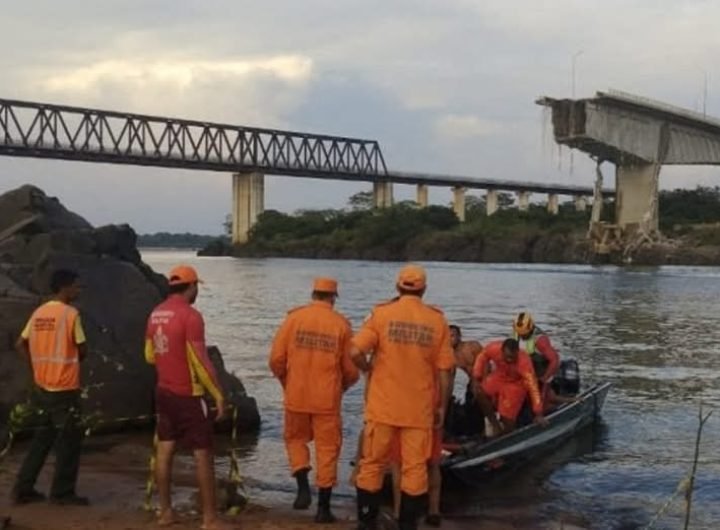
{"type": "Point", "coordinates": [415, 446]}
{"type": "Point", "coordinates": [326, 431]}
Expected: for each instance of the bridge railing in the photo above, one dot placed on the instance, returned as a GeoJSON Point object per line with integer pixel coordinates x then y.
{"type": "Point", "coordinates": [73, 133]}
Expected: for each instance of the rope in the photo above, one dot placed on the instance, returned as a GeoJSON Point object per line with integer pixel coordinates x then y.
{"type": "Point", "coordinates": [150, 484]}
{"type": "Point", "coordinates": [681, 487]}
{"type": "Point", "coordinates": [19, 415]}
{"type": "Point", "coordinates": [236, 501]}
{"type": "Point", "coordinates": [237, 494]}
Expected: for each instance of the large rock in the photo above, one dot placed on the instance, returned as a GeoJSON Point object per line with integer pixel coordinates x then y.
{"type": "Point", "coordinates": [38, 235]}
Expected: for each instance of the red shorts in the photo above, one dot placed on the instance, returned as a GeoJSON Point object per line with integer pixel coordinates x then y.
{"type": "Point", "coordinates": [508, 396]}
{"type": "Point", "coordinates": [183, 419]}
{"type": "Point", "coordinates": [435, 451]}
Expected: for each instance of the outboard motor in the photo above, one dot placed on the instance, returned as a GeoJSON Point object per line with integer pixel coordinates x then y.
{"type": "Point", "coordinates": [567, 380]}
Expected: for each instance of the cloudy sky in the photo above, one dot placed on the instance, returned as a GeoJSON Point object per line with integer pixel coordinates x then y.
{"type": "Point", "coordinates": [444, 85]}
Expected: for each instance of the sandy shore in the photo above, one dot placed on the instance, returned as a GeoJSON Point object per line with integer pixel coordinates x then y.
{"type": "Point", "coordinates": [114, 474]}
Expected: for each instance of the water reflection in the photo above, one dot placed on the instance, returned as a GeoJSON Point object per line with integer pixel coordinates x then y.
{"type": "Point", "coordinates": [651, 332]}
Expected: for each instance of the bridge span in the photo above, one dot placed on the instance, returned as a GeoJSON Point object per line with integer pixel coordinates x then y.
{"type": "Point", "coordinates": [639, 135]}
{"type": "Point", "coordinates": [41, 130]}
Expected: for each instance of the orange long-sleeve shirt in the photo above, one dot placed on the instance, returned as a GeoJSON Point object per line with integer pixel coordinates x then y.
{"type": "Point", "coordinates": [311, 357]}
{"type": "Point", "coordinates": [411, 343]}
{"type": "Point", "coordinates": [521, 371]}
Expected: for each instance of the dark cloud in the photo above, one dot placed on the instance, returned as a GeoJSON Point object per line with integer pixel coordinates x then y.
{"type": "Point", "coordinates": [445, 86]}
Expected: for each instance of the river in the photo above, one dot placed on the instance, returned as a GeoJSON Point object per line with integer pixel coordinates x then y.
{"type": "Point", "coordinates": [654, 333]}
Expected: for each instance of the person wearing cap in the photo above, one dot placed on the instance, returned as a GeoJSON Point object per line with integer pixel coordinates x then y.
{"type": "Point", "coordinates": [54, 342]}
{"type": "Point", "coordinates": [175, 344]}
{"type": "Point", "coordinates": [536, 343]}
{"type": "Point", "coordinates": [310, 356]}
{"type": "Point", "coordinates": [411, 354]}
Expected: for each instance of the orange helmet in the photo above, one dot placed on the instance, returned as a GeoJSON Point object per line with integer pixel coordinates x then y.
{"type": "Point", "coordinates": [523, 324]}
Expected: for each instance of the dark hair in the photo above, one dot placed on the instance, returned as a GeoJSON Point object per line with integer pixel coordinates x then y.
{"type": "Point", "coordinates": [62, 278]}
{"type": "Point", "coordinates": [511, 345]}
{"type": "Point", "coordinates": [179, 288]}
{"type": "Point", "coordinates": [455, 328]}
{"type": "Point", "coordinates": [323, 295]}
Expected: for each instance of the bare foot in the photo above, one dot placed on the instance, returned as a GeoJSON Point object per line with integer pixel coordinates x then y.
{"type": "Point", "coordinates": [167, 518]}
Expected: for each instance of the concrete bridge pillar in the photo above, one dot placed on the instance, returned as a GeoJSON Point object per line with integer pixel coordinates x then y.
{"type": "Point", "coordinates": [636, 197]}
{"type": "Point", "coordinates": [580, 203]}
{"type": "Point", "coordinates": [422, 195]}
{"type": "Point", "coordinates": [459, 202]}
{"type": "Point", "coordinates": [248, 201]}
{"type": "Point", "coordinates": [523, 201]}
{"type": "Point", "coordinates": [596, 212]}
{"type": "Point", "coordinates": [382, 194]}
{"type": "Point", "coordinates": [553, 205]}
{"type": "Point", "coordinates": [491, 202]}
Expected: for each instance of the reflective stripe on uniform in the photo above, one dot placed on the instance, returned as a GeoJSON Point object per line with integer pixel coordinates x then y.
{"type": "Point", "coordinates": [55, 362]}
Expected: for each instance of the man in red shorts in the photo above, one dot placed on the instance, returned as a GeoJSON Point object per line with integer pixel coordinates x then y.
{"type": "Point", "coordinates": [175, 344]}
{"type": "Point", "coordinates": [505, 388]}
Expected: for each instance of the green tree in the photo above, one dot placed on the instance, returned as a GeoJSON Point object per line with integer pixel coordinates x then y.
{"type": "Point", "coordinates": [701, 205]}
{"type": "Point", "coordinates": [227, 225]}
{"type": "Point", "coordinates": [362, 200]}
{"type": "Point", "coordinates": [505, 200]}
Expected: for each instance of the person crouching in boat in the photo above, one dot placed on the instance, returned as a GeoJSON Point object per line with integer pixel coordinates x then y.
{"type": "Point", "coordinates": [503, 391]}
{"type": "Point", "coordinates": [536, 343]}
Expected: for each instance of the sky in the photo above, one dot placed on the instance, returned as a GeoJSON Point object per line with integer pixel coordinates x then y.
{"type": "Point", "coordinates": [445, 86]}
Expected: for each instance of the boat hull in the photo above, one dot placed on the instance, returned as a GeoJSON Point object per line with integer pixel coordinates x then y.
{"type": "Point", "coordinates": [475, 462]}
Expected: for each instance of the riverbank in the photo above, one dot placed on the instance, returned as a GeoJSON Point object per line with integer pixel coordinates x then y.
{"type": "Point", "coordinates": [691, 247]}
{"type": "Point", "coordinates": [405, 232]}
{"type": "Point", "coordinates": [688, 219]}
{"type": "Point", "coordinates": [114, 474]}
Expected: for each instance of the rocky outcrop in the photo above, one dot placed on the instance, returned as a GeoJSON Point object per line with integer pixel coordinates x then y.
{"type": "Point", "coordinates": [38, 235]}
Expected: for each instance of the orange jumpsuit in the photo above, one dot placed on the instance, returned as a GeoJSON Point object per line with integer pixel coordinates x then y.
{"type": "Point", "coordinates": [311, 358]}
{"type": "Point", "coordinates": [508, 384]}
{"type": "Point", "coordinates": [411, 343]}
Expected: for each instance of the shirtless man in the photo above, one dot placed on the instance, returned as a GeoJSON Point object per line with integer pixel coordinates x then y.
{"type": "Point", "coordinates": [465, 354]}
{"type": "Point", "coordinates": [465, 351]}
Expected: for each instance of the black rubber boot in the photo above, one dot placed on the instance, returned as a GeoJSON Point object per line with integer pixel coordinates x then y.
{"type": "Point", "coordinates": [324, 514]}
{"type": "Point", "coordinates": [304, 497]}
{"type": "Point", "coordinates": [368, 506]}
{"type": "Point", "coordinates": [434, 520]}
{"type": "Point", "coordinates": [411, 507]}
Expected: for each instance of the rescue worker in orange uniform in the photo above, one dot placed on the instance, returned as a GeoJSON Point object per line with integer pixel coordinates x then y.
{"type": "Point", "coordinates": [54, 342]}
{"type": "Point", "coordinates": [505, 388]}
{"type": "Point", "coordinates": [411, 353]}
{"type": "Point", "coordinates": [310, 357]}
{"type": "Point", "coordinates": [537, 344]}
{"type": "Point", "coordinates": [433, 518]}
{"type": "Point", "coordinates": [175, 344]}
